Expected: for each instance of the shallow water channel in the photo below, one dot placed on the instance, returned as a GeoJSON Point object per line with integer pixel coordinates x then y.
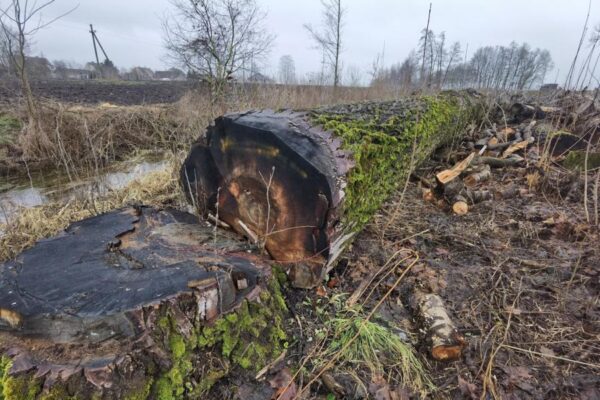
{"type": "Point", "coordinates": [22, 192]}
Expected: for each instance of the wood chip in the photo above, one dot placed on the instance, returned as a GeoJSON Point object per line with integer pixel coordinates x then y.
{"type": "Point", "coordinates": [515, 147]}
{"type": "Point", "coordinates": [452, 173]}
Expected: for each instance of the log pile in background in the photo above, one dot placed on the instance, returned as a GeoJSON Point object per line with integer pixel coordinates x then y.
{"type": "Point", "coordinates": [459, 186]}
{"type": "Point", "coordinates": [302, 184]}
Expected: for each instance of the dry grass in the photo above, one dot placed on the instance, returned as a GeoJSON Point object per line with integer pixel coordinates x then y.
{"type": "Point", "coordinates": [88, 138]}
{"type": "Point", "coordinates": [76, 138]}
{"type": "Point", "coordinates": [32, 224]}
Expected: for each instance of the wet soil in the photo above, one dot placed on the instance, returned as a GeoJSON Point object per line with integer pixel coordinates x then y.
{"type": "Point", "coordinates": [94, 92]}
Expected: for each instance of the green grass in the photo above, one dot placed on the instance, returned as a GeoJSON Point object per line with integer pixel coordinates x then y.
{"type": "Point", "coordinates": [9, 127]}
{"type": "Point", "coordinates": [378, 348]}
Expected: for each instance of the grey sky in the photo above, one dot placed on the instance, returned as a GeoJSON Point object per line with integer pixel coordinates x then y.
{"type": "Point", "coordinates": [131, 33]}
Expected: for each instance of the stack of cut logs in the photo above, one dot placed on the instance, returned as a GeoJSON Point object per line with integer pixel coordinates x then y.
{"type": "Point", "coordinates": [497, 148]}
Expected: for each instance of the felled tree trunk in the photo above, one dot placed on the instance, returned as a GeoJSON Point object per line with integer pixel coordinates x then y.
{"type": "Point", "coordinates": [133, 304]}
{"type": "Point", "coordinates": [302, 184]}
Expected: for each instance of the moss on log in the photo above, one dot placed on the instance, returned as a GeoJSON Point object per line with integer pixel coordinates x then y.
{"type": "Point", "coordinates": [302, 184]}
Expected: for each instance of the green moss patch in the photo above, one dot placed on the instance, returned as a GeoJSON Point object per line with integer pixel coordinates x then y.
{"type": "Point", "coordinates": [576, 160]}
{"type": "Point", "coordinates": [252, 335]}
{"type": "Point", "coordinates": [21, 388]}
{"type": "Point", "coordinates": [249, 338]}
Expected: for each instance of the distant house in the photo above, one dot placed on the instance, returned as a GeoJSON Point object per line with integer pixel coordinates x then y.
{"type": "Point", "coordinates": [549, 87]}
{"type": "Point", "coordinates": [173, 74]}
{"type": "Point", "coordinates": [257, 77]}
{"type": "Point", "coordinates": [139, 74]}
{"type": "Point", "coordinates": [75, 74]}
{"type": "Point", "coordinates": [104, 70]}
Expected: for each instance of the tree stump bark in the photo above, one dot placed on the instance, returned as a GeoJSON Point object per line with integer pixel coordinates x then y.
{"type": "Point", "coordinates": [302, 184]}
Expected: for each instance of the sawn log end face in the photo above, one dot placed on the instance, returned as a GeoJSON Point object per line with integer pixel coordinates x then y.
{"type": "Point", "coordinates": [273, 179]}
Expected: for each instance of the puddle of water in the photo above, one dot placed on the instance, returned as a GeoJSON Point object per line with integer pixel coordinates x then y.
{"type": "Point", "coordinates": [27, 196]}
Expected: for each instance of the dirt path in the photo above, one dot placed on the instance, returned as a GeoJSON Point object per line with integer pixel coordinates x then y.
{"type": "Point", "coordinates": [94, 92]}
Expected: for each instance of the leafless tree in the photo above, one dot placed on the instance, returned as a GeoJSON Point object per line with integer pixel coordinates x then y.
{"type": "Point", "coordinates": [20, 20]}
{"type": "Point", "coordinates": [571, 73]}
{"type": "Point", "coordinates": [329, 39]}
{"type": "Point", "coordinates": [287, 70]}
{"type": "Point", "coordinates": [424, 39]}
{"type": "Point", "coordinates": [215, 39]}
{"type": "Point", "coordinates": [354, 75]}
{"type": "Point", "coordinates": [7, 51]}
{"type": "Point", "coordinates": [595, 41]}
{"type": "Point", "coordinates": [453, 57]}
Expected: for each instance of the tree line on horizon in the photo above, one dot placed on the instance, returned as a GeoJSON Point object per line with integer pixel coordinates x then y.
{"type": "Point", "coordinates": [218, 41]}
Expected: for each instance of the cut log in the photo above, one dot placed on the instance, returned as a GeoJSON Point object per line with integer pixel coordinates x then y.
{"type": "Point", "coordinates": [515, 147]}
{"type": "Point", "coordinates": [506, 134]}
{"type": "Point", "coordinates": [131, 304]}
{"type": "Point", "coordinates": [477, 196]}
{"type": "Point", "coordinates": [478, 177]}
{"type": "Point", "coordinates": [304, 183]}
{"type": "Point", "coordinates": [460, 205]}
{"type": "Point", "coordinates": [441, 335]}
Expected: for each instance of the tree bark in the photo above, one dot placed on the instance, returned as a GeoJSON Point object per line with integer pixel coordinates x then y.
{"type": "Point", "coordinates": [302, 184]}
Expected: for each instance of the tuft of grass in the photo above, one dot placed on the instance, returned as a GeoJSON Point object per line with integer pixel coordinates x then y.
{"type": "Point", "coordinates": [378, 348]}
{"type": "Point", "coordinates": [9, 128]}
{"type": "Point", "coordinates": [29, 225]}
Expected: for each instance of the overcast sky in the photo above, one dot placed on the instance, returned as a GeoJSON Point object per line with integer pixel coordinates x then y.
{"type": "Point", "coordinates": [131, 33]}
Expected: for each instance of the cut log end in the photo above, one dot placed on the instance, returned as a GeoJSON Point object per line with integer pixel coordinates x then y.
{"type": "Point", "coordinates": [447, 353]}
{"type": "Point", "coordinates": [460, 207]}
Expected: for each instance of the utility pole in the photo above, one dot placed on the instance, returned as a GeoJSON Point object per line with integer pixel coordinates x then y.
{"type": "Point", "coordinates": [95, 40]}
{"type": "Point", "coordinates": [425, 45]}
{"type": "Point", "coordinates": [93, 32]}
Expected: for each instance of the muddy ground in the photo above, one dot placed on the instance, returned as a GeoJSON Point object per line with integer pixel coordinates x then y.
{"type": "Point", "coordinates": [94, 92]}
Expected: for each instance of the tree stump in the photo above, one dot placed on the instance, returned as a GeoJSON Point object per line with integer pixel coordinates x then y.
{"type": "Point", "coordinates": [302, 184]}
{"type": "Point", "coordinates": [135, 303]}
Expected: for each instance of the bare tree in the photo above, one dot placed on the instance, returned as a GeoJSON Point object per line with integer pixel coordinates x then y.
{"type": "Point", "coordinates": [330, 38]}
{"type": "Point", "coordinates": [287, 70]}
{"type": "Point", "coordinates": [425, 37]}
{"type": "Point", "coordinates": [354, 75]}
{"type": "Point", "coordinates": [19, 22]}
{"type": "Point", "coordinates": [215, 39]}
{"type": "Point", "coordinates": [453, 57]}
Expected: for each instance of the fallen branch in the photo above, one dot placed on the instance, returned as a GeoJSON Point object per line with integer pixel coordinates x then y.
{"type": "Point", "coordinates": [495, 162]}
